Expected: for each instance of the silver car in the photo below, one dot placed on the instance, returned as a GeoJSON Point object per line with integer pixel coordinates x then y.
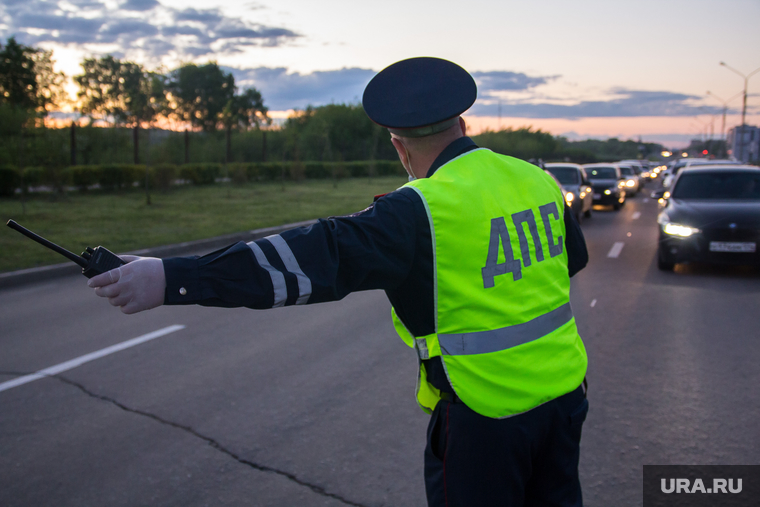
{"type": "Point", "coordinates": [579, 195]}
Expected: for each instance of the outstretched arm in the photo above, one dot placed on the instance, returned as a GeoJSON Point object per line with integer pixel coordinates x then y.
{"type": "Point", "coordinates": [372, 249]}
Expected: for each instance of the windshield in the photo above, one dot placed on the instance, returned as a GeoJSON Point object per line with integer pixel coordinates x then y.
{"type": "Point", "coordinates": [679, 166]}
{"type": "Point", "coordinates": [565, 175]}
{"type": "Point", "coordinates": [718, 185]}
{"type": "Point", "coordinates": [601, 173]}
{"type": "Point", "coordinates": [627, 171]}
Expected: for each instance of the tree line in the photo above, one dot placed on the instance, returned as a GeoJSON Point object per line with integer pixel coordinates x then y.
{"type": "Point", "coordinates": [226, 124]}
{"type": "Point", "coordinates": [126, 94]}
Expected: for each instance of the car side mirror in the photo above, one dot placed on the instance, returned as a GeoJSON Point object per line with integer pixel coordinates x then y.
{"type": "Point", "coordinates": [659, 194]}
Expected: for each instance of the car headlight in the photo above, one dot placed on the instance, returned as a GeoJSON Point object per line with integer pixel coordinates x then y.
{"type": "Point", "coordinates": [683, 231]}
{"type": "Point", "coordinates": [621, 184]}
{"type": "Point", "coordinates": [607, 192]}
{"type": "Point", "coordinates": [630, 183]}
{"type": "Point", "coordinates": [674, 229]}
{"type": "Point", "coordinates": [569, 197]}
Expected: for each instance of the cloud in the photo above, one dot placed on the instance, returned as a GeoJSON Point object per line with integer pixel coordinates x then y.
{"type": "Point", "coordinates": [208, 17]}
{"type": "Point", "coordinates": [283, 90]}
{"type": "Point", "coordinates": [184, 32]}
{"type": "Point", "coordinates": [139, 5]}
{"type": "Point", "coordinates": [626, 103]}
{"type": "Point", "coordinates": [490, 82]}
{"type": "Point", "coordinates": [129, 29]}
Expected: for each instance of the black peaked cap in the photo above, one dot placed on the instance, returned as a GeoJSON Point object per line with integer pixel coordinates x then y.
{"type": "Point", "coordinates": [418, 92]}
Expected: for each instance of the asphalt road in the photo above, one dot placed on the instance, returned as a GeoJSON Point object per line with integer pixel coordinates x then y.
{"type": "Point", "coordinates": [314, 405]}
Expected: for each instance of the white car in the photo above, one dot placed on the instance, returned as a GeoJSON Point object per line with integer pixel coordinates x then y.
{"type": "Point", "coordinates": [633, 181]}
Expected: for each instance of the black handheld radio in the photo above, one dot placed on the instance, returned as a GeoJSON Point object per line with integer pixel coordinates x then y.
{"type": "Point", "coordinates": [93, 262]}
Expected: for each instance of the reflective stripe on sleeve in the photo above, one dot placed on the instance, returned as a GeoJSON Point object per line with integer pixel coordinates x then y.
{"type": "Point", "coordinates": [495, 340]}
{"type": "Point", "coordinates": [278, 279]}
{"type": "Point", "coordinates": [291, 264]}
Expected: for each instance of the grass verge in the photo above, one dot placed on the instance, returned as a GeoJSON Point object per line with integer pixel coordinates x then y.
{"type": "Point", "coordinates": [123, 221]}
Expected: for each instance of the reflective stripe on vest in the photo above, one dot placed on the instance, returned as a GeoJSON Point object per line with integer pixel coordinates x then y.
{"type": "Point", "coordinates": [483, 342]}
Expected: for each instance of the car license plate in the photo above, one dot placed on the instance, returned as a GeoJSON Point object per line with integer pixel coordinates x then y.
{"type": "Point", "coordinates": [597, 196]}
{"type": "Point", "coordinates": [723, 246]}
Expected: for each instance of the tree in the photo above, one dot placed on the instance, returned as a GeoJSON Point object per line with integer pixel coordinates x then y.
{"type": "Point", "coordinates": [246, 110]}
{"type": "Point", "coordinates": [122, 91]}
{"type": "Point", "coordinates": [99, 87]}
{"type": "Point", "coordinates": [346, 129]}
{"type": "Point", "coordinates": [199, 94]}
{"type": "Point", "coordinates": [144, 94]}
{"type": "Point", "coordinates": [523, 143]}
{"type": "Point", "coordinates": [28, 80]}
{"type": "Point", "coordinates": [243, 111]}
{"type": "Point", "coordinates": [50, 84]}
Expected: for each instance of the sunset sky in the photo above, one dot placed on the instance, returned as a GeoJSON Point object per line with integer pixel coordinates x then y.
{"type": "Point", "coordinates": [583, 69]}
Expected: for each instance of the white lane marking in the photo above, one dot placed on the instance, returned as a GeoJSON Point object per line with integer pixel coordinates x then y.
{"type": "Point", "coordinates": [593, 303]}
{"type": "Point", "coordinates": [636, 215]}
{"type": "Point", "coordinates": [615, 250]}
{"type": "Point", "coordinates": [645, 199]}
{"type": "Point", "coordinates": [68, 365]}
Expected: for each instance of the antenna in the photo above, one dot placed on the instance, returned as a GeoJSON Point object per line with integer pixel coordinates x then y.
{"type": "Point", "coordinates": [39, 239]}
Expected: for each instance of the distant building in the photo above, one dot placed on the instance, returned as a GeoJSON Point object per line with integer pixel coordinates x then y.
{"type": "Point", "coordinates": [744, 141]}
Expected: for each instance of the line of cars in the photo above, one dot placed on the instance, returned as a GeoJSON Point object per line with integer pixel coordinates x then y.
{"type": "Point", "coordinates": [607, 184]}
{"type": "Point", "coordinates": [709, 212]}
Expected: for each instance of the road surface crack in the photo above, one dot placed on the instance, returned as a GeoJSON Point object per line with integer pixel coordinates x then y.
{"type": "Point", "coordinates": [210, 441]}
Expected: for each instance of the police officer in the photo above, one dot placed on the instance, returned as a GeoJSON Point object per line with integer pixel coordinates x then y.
{"type": "Point", "coordinates": [475, 254]}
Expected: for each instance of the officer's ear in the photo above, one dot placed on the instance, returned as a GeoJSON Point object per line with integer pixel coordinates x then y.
{"type": "Point", "coordinates": [403, 153]}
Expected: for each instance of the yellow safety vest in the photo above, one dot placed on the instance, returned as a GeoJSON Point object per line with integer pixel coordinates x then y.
{"type": "Point", "coordinates": [504, 326]}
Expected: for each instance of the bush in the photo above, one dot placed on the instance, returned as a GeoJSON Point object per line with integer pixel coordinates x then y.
{"type": "Point", "coordinates": [272, 170]}
{"type": "Point", "coordinates": [10, 179]}
{"type": "Point", "coordinates": [389, 168]}
{"type": "Point", "coordinates": [33, 177]}
{"type": "Point", "coordinates": [253, 171]}
{"type": "Point", "coordinates": [317, 170]}
{"type": "Point", "coordinates": [162, 176]}
{"type": "Point", "coordinates": [357, 169]}
{"type": "Point", "coordinates": [115, 176]}
{"type": "Point", "coordinates": [200, 174]}
{"type": "Point", "coordinates": [82, 176]}
{"type": "Point", "coordinates": [238, 172]}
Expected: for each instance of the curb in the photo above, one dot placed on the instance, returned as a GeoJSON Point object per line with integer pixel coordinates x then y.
{"type": "Point", "coordinates": [45, 273]}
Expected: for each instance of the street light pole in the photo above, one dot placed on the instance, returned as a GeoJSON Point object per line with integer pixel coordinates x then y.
{"type": "Point", "coordinates": [723, 125]}
{"type": "Point", "coordinates": [744, 107]}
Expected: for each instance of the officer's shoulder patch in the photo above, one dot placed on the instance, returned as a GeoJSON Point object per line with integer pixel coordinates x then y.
{"type": "Point", "coordinates": [358, 213]}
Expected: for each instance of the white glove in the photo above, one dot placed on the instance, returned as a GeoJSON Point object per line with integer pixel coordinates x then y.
{"type": "Point", "coordinates": [136, 286]}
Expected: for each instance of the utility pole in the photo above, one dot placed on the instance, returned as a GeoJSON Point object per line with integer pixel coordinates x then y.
{"type": "Point", "coordinates": [725, 108]}
{"type": "Point", "coordinates": [744, 106]}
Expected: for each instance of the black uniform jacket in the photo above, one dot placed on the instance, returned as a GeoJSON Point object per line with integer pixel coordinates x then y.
{"type": "Point", "coordinates": [387, 246]}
